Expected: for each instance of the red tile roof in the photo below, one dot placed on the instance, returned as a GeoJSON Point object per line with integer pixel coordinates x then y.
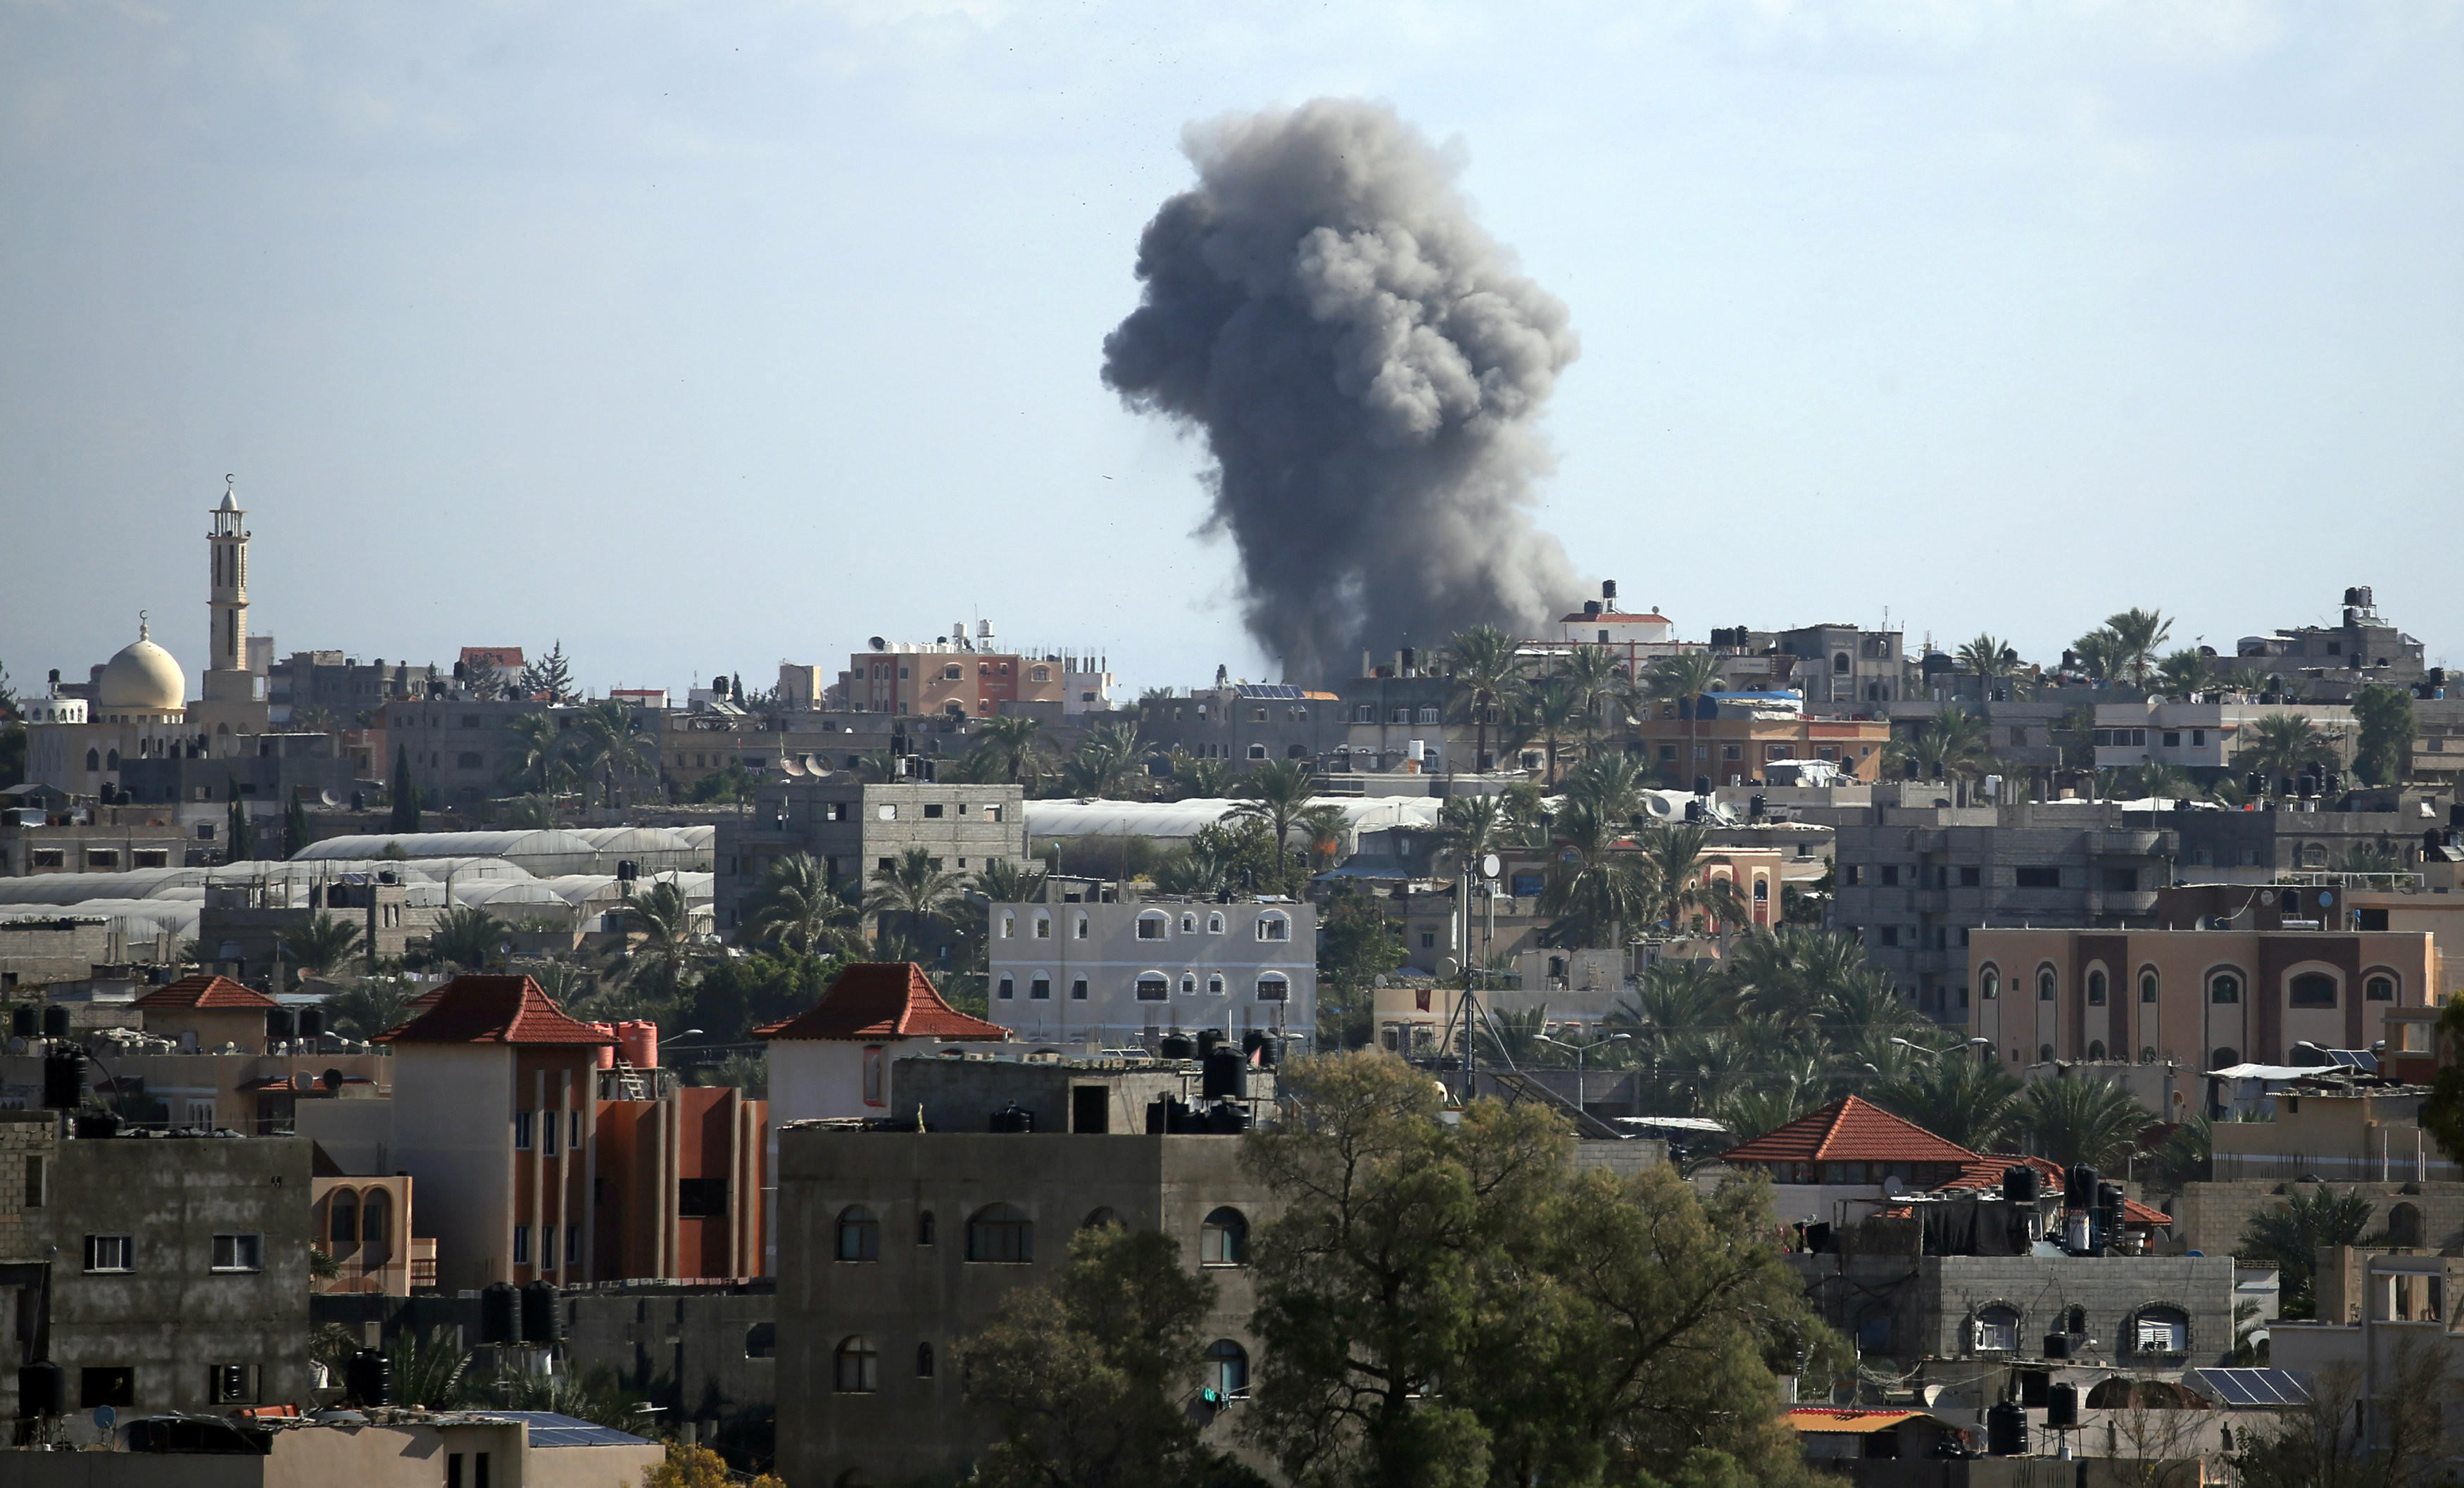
{"type": "Point", "coordinates": [212, 993]}
{"type": "Point", "coordinates": [1985, 1172]}
{"type": "Point", "coordinates": [1824, 1418]}
{"type": "Point", "coordinates": [882, 1000]}
{"type": "Point", "coordinates": [509, 1010]}
{"type": "Point", "coordinates": [1849, 1130]}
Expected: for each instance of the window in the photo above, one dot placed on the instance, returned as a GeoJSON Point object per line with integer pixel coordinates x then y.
{"type": "Point", "coordinates": [1890, 934]}
{"type": "Point", "coordinates": [2224, 987]}
{"type": "Point", "coordinates": [239, 1253]}
{"type": "Point", "coordinates": [1079, 929]}
{"type": "Point", "coordinates": [2038, 878]}
{"type": "Point", "coordinates": [1215, 925]}
{"type": "Point", "coordinates": [2314, 990]}
{"type": "Point", "coordinates": [1224, 1240]}
{"type": "Point", "coordinates": [33, 1182]}
{"type": "Point", "coordinates": [1001, 1235]}
{"type": "Point", "coordinates": [2377, 989]}
{"type": "Point", "coordinates": [1153, 988]}
{"type": "Point", "coordinates": [1257, 752]}
{"type": "Point", "coordinates": [548, 1129]}
{"type": "Point", "coordinates": [521, 1245]}
{"type": "Point", "coordinates": [1106, 1217]}
{"type": "Point", "coordinates": [2224, 1057]}
{"type": "Point", "coordinates": [525, 1124]}
{"type": "Point", "coordinates": [1997, 1330]}
{"type": "Point", "coordinates": [1227, 1368]}
{"type": "Point", "coordinates": [926, 1228]}
{"type": "Point", "coordinates": [1970, 877]}
{"type": "Point", "coordinates": [1273, 987]}
{"type": "Point", "coordinates": [1009, 927]}
{"type": "Point", "coordinates": [2096, 989]}
{"type": "Point", "coordinates": [110, 1252]}
{"type": "Point", "coordinates": [859, 1234]}
{"type": "Point", "coordinates": [1989, 986]}
{"type": "Point", "coordinates": [1215, 984]}
{"type": "Point", "coordinates": [2096, 1051]}
{"type": "Point", "coordinates": [1188, 985]}
{"type": "Point", "coordinates": [2120, 881]}
{"type": "Point", "coordinates": [1043, 927]}
{"type": "Point", "coordinates": [2160, 1331]}
{"type": "Point", "coordinates": [2044, 1054]}
{"type": "Point", "coordinates": [1274, 927]}
{"type": "Point", "coordinates": [2147, 986]}
{"type": "Point", "coordinates": [1890, 875]}
{"type": "Point", "coordinates": [761, 1341]}
{"type": "Point", "coordinates": [1040, 990]}
{"type": "Point", "coordinates": [113, 1385]}
{"type": "Point", "coordinates": [701, 1198]}
{"type": "Point", "coordinates": [1153, 926]}
{"type": "Point", "coordinates": [859, 1366]}
{"type": "Point", "coordinates": [933, 810]}
{"type": "Point", "coordinates": [102, 858]}
{"type": "Point", "coordinates": [547, 1247]}
{"type": "Point", "coordinates": [886, 813]}
{"type": "Point", "coordinates": [924, 1361]}
{"type": "Point", "coordinates": [230, 1384]}
{"type": "Point", "coordinates": [2403, 1226]}
{"type": "Point", "coordinates": [1006, 990]}
{"type": "Point", "coordinates": [2045, 985]}
{"type": "Point", "coordinates": [1078, 989]}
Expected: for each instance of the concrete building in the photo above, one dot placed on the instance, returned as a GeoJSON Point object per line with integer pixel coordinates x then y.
{"type": "Point", "coordinates": [240, 930]}
{"type": "Point", "coordinates": [2202, 738]}
{"type": "Point", "coordinates": [2204, 999]}
{"type": "Point", "coordinates": [1114, 975]}
{"type": "Point", "coordinates": [363, 1221]}
{"type": "Point", "coordinates": [894, 1245]}
{"type": "Point", "coordinates": [103, 840]}
{"type": "Point", "coordinates": [697, 744]}
{"type": "Point", "coordinates": [853, 828]}
{"type": "Point", "coordinates": [1246, 722]}
{"type": "Point", "coordinates": [1400, 719]}
{"type": "Point", "coordinates": [961, 677]}
{"type": "Point", "coordinates": [1730, 740]}
{"type": "Point", "coordinates": [462, 750]}
{"type": "Point", "coordinates": [395, 1449]}
{"type": "Point", "coordinates": [333, 689]}
{"type": "Point", "coordinates": [838, 1059]}
{"type": "Point", "coordinates": [2336, 661]}
{"type": "Point", "coordinates": [235, 693]}
{"type": "Point", "coordinates": [1840, 665]}
{"type": "Point", "coordinates": [161, 1275]}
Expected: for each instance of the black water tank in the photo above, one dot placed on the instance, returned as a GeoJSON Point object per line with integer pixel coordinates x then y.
{"type": "Point", "coordinates": [2061, 1405]}
{"type": "Point", "coordinates": [282, 1024]}
{"type": "Point", "coordinates": [2079, 1190]}
{"type": "Point", "coordinates": [26, 1022]}
{"type": "Point", "coordinates": [2022, 1184]}
{"type": "Point", "coordinates": [1224, 1119]}
{"type": "Point", "coordinates": [1223, 1077]}
{"type": "Point", "coordinates": [540, 1313]}
{"type": "Point", "coordinates": [368, 1376]}
{"type": "Point", "coordinates": [2033, 1384]}
{"type": "Point", "coordinates": [42, 1389]}
{"type": "Point", "coordinates": [1012, 1118]}
{"type": "Point", "coordinates": [1176, 1046]}
{"type": "Point", "coordinates": [2057, 1345]}
{"type": "Point", "coordinates": [64, 1079]}
{"type": "Point", "coordinates": [499, 1314]}
{"type": "Point", "coordinates": [312, 1023]}
{"type": "Point", "coordinates": [56, 1021]}
{"type": "Point", "coordinates": [1255, 1041]}
{"type": "Point", "coordinates": [2006, 1431]}
{"type": "Point", "coordinates": [1207, 1041]}
{"type": "Point", "coordinates": [95, 1126]}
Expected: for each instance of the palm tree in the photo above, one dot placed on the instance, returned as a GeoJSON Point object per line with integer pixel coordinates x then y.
{"type": "Point", "coordinates": [2293, 1235]}
{"type": "Point", "coordinates": [1594, 672]}
{"type": "Point", "coordinates": [1277, 791]}
{"type": "Point", "coordinates": [670, 934]}
{"type": "Point", "coordinates": [1991, 658]}
{"type": "Point", "coordinates": [1556, 707]}
{"type": "Point", "coordinates": [2100, 653]}
{"type": "Point", "coordinates": [1611, 785]}
{"type": "Point", "coordinates": [1102, 764]}
{"type": "Point", "coordinates": [532, 813]}
{"type": "Point", "coordinates": [1322, 827]}
{"type": "Point", "coordinates": [542, 758]}
{"type": "Point", "coordinates": [1785, 974]}
{"type": "Point", "coordinates": [1675, 997]}
{"type": "Point", "coordinates": [319, 946]}
{"type": "Point", "coordinates": [1592, 888]}
{"type": "Point", "coordinates": [795, 906]}
{"type": "Point", "coordinates": [2150, 780]}
{"type": "Point", "coordinates": [2182, 672]}
{"type": "Point", "coordinates": [1200, 779]}
{"type": "Point", "coordinates": [2079, 1120]}
{"type": "Point", "coordinates": [878, 767]}
{"type": "Point", "coordinates": [1949, 746]}
{"type": "Point", "coordinates": [466, 937]}
{"type": "Point", "coordinates": [1469, 827]}
{"type": "Point", "coordinates": [1010, 738]}
{"type": "Point", "coordinates": [1681, 680]}
{"type": "Point", "coordinates": [1956, 1097]}
{"type": "Point", "coordinates": [366, 1008]}
{"type": "Point", "coordinates": [914, 887]}
{"type": "Point", "coordinates": [1675, 887]}
{"type": "Point", "coordinates": [1193, 872]}
{"type": "Point", "coordinates": [2284, 744]}
{"type": "Point", "coordinates": [1484, 665]}
{"type": "Point", "coordinates": [610, 742]}
{"type": "Point", "coordinates": [2137, 633]}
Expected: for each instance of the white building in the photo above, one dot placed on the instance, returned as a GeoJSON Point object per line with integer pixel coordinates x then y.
{"type": "Point", "coordinates": [1119, 975]}
{"type": "Point", "coordinates": [2198, 735]}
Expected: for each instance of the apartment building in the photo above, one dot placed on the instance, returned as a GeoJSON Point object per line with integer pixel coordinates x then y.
{"type": "Point", "coordinates": [853, 827]}
{"type": "Point", "coordinates": [696, 745]}
{"type": "Point", "coordinates": [334, 690]}
{"type": "Point", "coordinates": [1833, 663]}
{"type": "Point", "coordinates": [1121, 975]}
{"type": "Point", "coordinates": [1726, 739]}
{"type": "Point", "coordinates": [2201, 737]}
{"type": "Point", "coordinates": [461, 749]}
{"type": "Point", "coordinates": [962, 676]}
{"type": "Point", "coordinates": [1399, 718]}
{"type": "Point", "coordinates": [2339, 660]}
{"type": "Point", "coordinates": [1246, 723]}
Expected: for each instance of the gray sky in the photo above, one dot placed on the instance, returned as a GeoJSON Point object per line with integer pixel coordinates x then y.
{"type": "Point", "coordinates": [705, 337]}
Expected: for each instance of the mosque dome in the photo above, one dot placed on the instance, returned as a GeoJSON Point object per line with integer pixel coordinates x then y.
{"type": "Point", "coordinates": [142, 678]}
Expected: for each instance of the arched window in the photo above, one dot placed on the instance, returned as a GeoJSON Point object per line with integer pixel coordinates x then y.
{"type": "Point", "coordinates": [2096, 989]}
{"type": "Point", "coordinates": [2147, 985]}
{"type": "Point", "coordinates": [1009, 927]}
{"type": "Point", "coordinates": [1153, 988]}
{"type": "Point", "coordinates": [345, 1227]}
{"type": "Point", "coordinates": [1105, 1218]}
{"type": "Point", "coordinates": [2312, 990]}
{"type": "Point", "coordinates": [859, 1366]}
{"type": "Point", "coordinates": [1761, 891]}
{"type": "Point", "coordinates": [2075, 1322]}
{"type": "Point", "coordinates": [2224, 987]}
{"type": "Point", "coordinates": [2158, 1333]}
{"type": "Point", "coordinates": [1215, 925]}
{"type": "Point", "coordinates": [2044, 1054]}
{"type": "Point", "coordinates": [1224, 1240]}
{"type": "Point", "coordinates": [1274, 927]}
{"type": "Point", "coordinates": [2224, 1057]}
{"type": "Point", "coordinates": [1997, 1329]}
{"type": "Point", "coordinates": [376, 1219]}
{"type": "Point", "coordinates": [1188, 984]}
{"type": "Point", "coordinates": [2148, 1054]}
{"type": "Point", "coordinates": [2096, 1050]}
{"type": "Point", "coordinates": [1001, 1235]}
{"type": "Point", "coordinates": [1989, 986]}
{"type": "Point", "coordinates": [1189, 925]}
{"type": "Point", "coordinates": [1839, 661]}
{"type": "Point", "coordinates": [1227, 1368]}
{"type": "Point", "coordinates": [1153, 925]}
{"type": "Point", "coordinates": [2045, 985]}
{"type": "Point", "coordinates": [93, 760]}
{"type": "Point", "coordinates": [1273, 987]}
{"type": "Point", "coordinates": [859, 1234]}
{"type": "Point", "coordinates": [2403, 1226]}
{"type": "Point", "coordinates": [924, 1361]}
{"type": "Point", "coordinates": [761, 1341]}
{"type": "Point", "coordinates": [1006, 990]}
{"type": "Point", "coordinates": [2379, 989]}
{"type": "Point", "coordinates": [111, 761]}
{"type": "Point", "coordinates": [1215, 984]}
{"type": "Point", "coordinates": [924, 1227]}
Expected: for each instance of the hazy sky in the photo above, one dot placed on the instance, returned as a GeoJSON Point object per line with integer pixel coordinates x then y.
{"type": "Point", "coordinates": [705, 336]}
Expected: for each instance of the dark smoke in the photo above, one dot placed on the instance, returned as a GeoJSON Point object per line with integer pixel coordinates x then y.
{"type": "Point", "coordinates": [1366, 365]}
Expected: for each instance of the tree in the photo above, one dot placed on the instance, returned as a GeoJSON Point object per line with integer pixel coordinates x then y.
{"type": "Point", "coordinates": [1611, 785]}
{"type": "Point", "coordinates": [1101, 767]}
{"type": "Point", "coordinates": [1275, 793]}
{"type": "Point", "coordinates": [466, 937]}
{"type": "Point", "coordinates": [1957, 1097]}
{"type": "Point", "coordinates": [2136, 634]}
{"type": "Point", "coordinates": [2284, 744]}
{"type": "Point", "coordinates": [2081, 1120]}
{"type": "Point", "coordinates": [1356, 943]}
{"type": "Point", "coordinates": [1001, 881]}
{"type": "Point", "coordinates": [2100, 653]}
{"type": "Point", "coordinates": [326, 941]}
{"type": "Point", "coordinates": [794, 905]}
{"type": "Point", "coordinates": [481, 677]}
{"type": "Point", "coordinates": [239, 833]}
{"type": "Point", "coordinates": [368, 1007]}
{"type": "Point", "coordinates": [2383, 752]}
{"type": "Point", "coordinates": [1470, 827]}
{"type": "Point", "coordinates": [1675, 887]}
{"type": "Point", "coordinates": [915, 889]}
{"type": "Point", "coordinates": [698, 1467]}
{"type": "Point", "coordinates": [2312, 1218]}
{"type": "Point", "coordinates": [1991, 658]}
{"type": "Point", "coordinates": [735, 995]}
{"type": "Point", "coordinates": [1680, 681]}
{"type": "Point", "coordinates": [1950, 746]}
{"type": "Point", "coordinates": [1093, 1378]}
{"type": "Point", "coordinates": [2181, 672]}
{"type": "Point", "coordinates": [610, 742]}
{"type": "Point", "coordinates": [1009, 740]}
{"type": "Point", "coordinates": [1322, 827]}
{"type": "Point", "coordinates": [296, 836]}
{"type": "Point", "coordinates": [729, 782]}
{"type": "Point", "coordinates": [540, 757]}
{"type": "Point", "coordinates": [671, 935]}
{"type": "Point", "coordinates": [1555, 705]}
{"type": "Point", "coordinates": [551, 677]}
{"type": "Point", "coordinates": [1200, 779]}
{"type": "Point", "coordinates": [1485, 663]}
{"type": "Point", "coordinates": [1591, 889]}
{"type": "Point", "coordinates": [1592, 672]}
{"type": "Point", "coordinates": [2387, 1431]}
{"type": "Point", "coordinates": [404, 816]}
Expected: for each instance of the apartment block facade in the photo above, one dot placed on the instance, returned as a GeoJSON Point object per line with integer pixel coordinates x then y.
{"type": "Point", "coordinates": [1123, 974]}
{"type": "Point", "coordinates": [854, 827]}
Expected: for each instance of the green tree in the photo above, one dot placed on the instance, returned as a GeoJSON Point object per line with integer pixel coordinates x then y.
{"type": "Point", "coordinates": [1202, 780]}
{"type": "Point", "coordinates": [239, 832]}
{"type": "Point", "coordinates": [611, 743]}
{"type": "Point", "coordinates": [2136, 634]}
{"type": "Point", "coordinates": [2182, 672]}
{"type": "Point", "coordinates": [1484, 665]}
{"type": "Point", "coordinates": [1276, 793]}
{"type": "Point", "coordinates": [918, 890]}
{"type": "Point", "coordinates": [2100, 653]}
{"type": "Point", "coordinates": [551, 677]}
{"type": "Point", "coordinates": [2284, 744]}
{"type": "Point", "coordinates": [735, 995]}
{"type": "Point", "coordinates": [1554, 705]}
{"type": "Point", "coordinates": [1357, 942]}
{"type": "Point", "coordinates": [1105, 762]}
{"type": "Point", "coordinates": [729, 782]}
{"type": "Point", "coordinates": [1469, 827]}
{"type": "Point", "coordinates": [466, 936]}
{"type": "Point", "coordinates": [1610, 785]}
{"type": "Point", "coordinates": [1010, 739]}
{"type": "Point", "coordinates": [795, 906]}
{"type": "Point", "coordinates": [296, 836]}
{"type": "Point", "coordinates": [322, 943]}
{"type": "Point", "coordinates": [1991, 658]}
{"type": "Point", "coordinates": [2078, 1119]}
{"type": "Point", "coordinates": [1322, 827]}
{"type": "Point", "coordinates": [2383, 753]}
{"type": "Point", "coordinates": [405, 793]}
{"type": "Point", "coordinates": [1594, 672]}
{"type": "Point", "coordinates": [1950, 746]}
{"type": "Point", "coordinates": [2312, 1218]}
{"type": "Point", "coordinates": [368, 1007]}
{"type": "Point", "coordinates": [1592, 889]}
{"type": "Point", "coordinates": [1093, 1378]}
{"type": "Point", "coordinates": [541, 758]}
{"type": "Point", "coordinates": [671, 930]}
{"type": "Point", "coordinates": [1957, 1097]}
{"type": "Point", "coordinates": [1002, 880]}
{"type": "Point", "coordinates": [1680, 681]}
{"type": "Point", "coordinates": [1677, 892]}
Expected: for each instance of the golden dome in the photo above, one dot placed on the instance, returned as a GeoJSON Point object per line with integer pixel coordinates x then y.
{"type": "Point", "coordinates": [142, 678]}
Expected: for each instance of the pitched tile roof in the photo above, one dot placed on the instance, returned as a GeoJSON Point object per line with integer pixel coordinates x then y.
{"type": "Point", "coordinates": [213, 992]}
{"type": "Point", "coordinates": [882, 1000]}
{"type": "Point", "coordinates": [508, 1010]}
{"type": "Point", "coordinates": [1985, 1172]}
{"type": "Point", "coordinates": [1849, 1130]}
{"type": "Point", "coordinates": [1826, 1418]}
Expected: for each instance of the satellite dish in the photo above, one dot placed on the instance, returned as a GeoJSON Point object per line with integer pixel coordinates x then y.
{"type": "Point", "coordinates": [105, 1418]}
{"type": "Point", "coordinates": [1489, 866]}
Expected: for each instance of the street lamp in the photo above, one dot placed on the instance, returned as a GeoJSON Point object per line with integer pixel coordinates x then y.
{"type": "Point", "coordinates": [1581, 1049]}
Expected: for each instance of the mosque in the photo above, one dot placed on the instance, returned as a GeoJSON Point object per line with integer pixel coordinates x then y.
{"type": "Point", "coordinates": [137, 705]}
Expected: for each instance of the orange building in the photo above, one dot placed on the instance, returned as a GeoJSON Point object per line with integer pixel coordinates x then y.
{"type": "Point", "coordinates": [1730, 742]}
{"type": "Point", "coordinates": [705, 1146]}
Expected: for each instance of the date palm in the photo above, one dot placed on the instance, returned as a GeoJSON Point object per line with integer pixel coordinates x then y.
{"type": "Point", "coordinates": [1277, 791]}
{"type": "Point", "coordinates": [1202, 780]}
{"type": "Point", "coordinates": [1681, 680]}
{"type": "Point", "coordinates": [2283, 744]}
{"type": "Point", "coordinates": [1991, 659]}
{"type": "Point", "coordinates": [1957, 1097]}
{"type": "Point", "coordinates": [1004, 880]}
{"type": "Point", "coordinates": [1610, 784]}
{"type": "Point", "coordinates": [1592, 889]}
{"type": "Point", "coordinates": [1949, 746]}
{"type": "Point", "coordinates": [1101, 767]}
{"type": "Point", "coordinates": [1594, 672]}
{"type": "Point", "coordinates": [1471, 827]}
{"type": "Point", "coordinates": [1556, 715]}
{"type": "Point", "coordinates": [671, 935]}
{"type": "Point", "coordinates": [2137, 633]}
{"type": "Point", "coordinates": [915, 889]}
{"type": "Point", "coordinates": [2100, 653]}
{"type": "Point", "coordinates": [466, 937]}
{"type": "Point", "coordinates": [2080, 1120]}
{"type": "Point", "coordinates": [1486, 665]}
{"type": "Point", "coordinates": [610, 742]}
{"type": "Point", "coordinates": [794, 905]}
{"type": "Point", "coordinates": [541, 756]}
{"type": "Point", "coordinates": [368, 1007]}
{"type": "Point", "coordinates": [321, 945]}
{"type": "Point", "coordinates": [1322, 827]}
{"type": "Point", "coordinates": [1011, 738]}
{"type": "Point", "coordinates": [1671, 857]}
{"type": "Point", "coordinates": [2181, 672]}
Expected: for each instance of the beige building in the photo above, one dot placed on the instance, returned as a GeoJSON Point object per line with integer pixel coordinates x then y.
{"type": "Point", "coordinates": [399, 1449]}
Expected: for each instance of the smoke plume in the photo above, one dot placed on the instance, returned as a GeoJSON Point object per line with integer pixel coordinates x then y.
{"type": "Point", "coordinates": [1367, 365]}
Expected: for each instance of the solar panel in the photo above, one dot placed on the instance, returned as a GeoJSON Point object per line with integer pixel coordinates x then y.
{"type": "Point", "coordinates": [1277, 690]}
{"type": "Point", "coordinates": [548, 1429]}
{"type": "Point", "coordinates": [2255, 1386]}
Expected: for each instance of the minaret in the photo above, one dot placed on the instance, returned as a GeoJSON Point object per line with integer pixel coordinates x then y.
{"type": "Point", "coordinates": [233, 701]}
